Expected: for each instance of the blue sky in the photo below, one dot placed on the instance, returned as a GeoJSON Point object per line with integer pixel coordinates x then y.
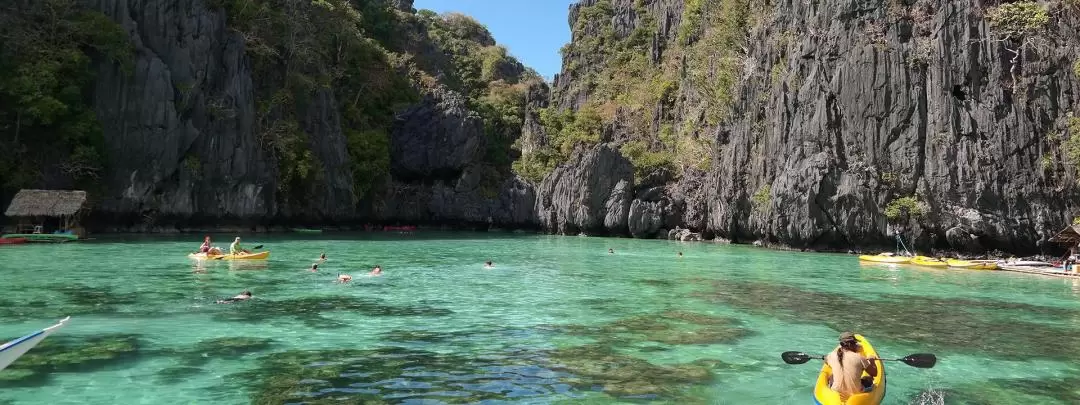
{"type": "Point", "coordinates": [533, 30]}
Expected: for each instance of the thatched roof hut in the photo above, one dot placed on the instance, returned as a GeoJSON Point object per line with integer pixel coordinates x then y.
{"type": "Point", "coordinates": [1068, 236]}
{"type": "Point", "coordinates": [46, 203]}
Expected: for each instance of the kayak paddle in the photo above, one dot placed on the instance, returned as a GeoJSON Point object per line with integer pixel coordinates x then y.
{"type": "Point", "coordinates": [919, 360]}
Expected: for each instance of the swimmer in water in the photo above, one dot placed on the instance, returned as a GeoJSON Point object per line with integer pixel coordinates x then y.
{"type": "Point", "coordinates": [377, 271]}
{"type": "Point", "coordinates": [322, 256]}
{"type": "Point", "coordinates": [344, 278]}
{"type": "Point", "coordinates": [314, 267]}
{"type": "Point", "coordinates": [680, 254]}
{"type": "Point", "coordinates": [246, 295]}
{"type": "Point", "coordinates": [611, 251]}
{"type": "Point", "coordinates": [488, 265]}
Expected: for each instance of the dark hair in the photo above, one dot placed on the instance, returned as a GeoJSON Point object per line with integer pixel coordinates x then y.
{"type": "Point", "coordinates": [845, 344]}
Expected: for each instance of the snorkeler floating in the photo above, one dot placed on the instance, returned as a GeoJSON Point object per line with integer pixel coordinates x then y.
{"type": "Point", "coordinates": [344, 278]}
{"type": "Point", "coordinates": [377, 271]}
{"type": "Point", "coordinates": [246, 295]}
{"type": "Point", "coordinates": [488, 265]}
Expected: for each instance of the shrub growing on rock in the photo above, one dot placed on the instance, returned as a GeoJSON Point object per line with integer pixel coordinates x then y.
{"type": "Point", "coordinates": [904, 208]}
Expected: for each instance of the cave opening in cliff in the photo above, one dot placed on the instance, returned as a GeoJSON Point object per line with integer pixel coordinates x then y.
{"type": "Point", "coordinates": [959, 93]}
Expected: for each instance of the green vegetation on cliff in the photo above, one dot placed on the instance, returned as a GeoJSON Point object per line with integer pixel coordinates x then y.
{"type": "Point", "coordinates": [633, 89]}
{"type": "Point", "coordinates": [375, 60]}
{"type": "Point", "coordinates": [903, 209]}
{"type": "Point", "coordinates": [51, 134]}
{"type": "Point", "coordinates": [301, 49]}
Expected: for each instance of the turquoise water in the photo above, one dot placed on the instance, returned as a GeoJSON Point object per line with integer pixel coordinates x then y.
{"type": "Point", "coordinates": [558, 320]}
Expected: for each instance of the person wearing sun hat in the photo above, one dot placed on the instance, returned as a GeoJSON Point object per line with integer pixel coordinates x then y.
{"type": "Point", "coordinates": [848, 364]}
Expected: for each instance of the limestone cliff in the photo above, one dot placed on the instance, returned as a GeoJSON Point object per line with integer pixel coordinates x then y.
{"type": "Point", "coordinates": [829, 123]}
{"type": "Point", "coordinates": [264, 112]}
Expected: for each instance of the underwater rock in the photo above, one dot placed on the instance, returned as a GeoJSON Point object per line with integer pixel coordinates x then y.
{"type": "Point", "coordinates": [621, 375]}
{"type": "Point", "coordinates": [230, 347]}
{"type": "Point", "coordinates": [309, 309]}
{"type": "Point", "coordinates": [969, 326]}
{"type": "Point", "coordinates": [362, 376]}
{"type": "Point", "coordinates": [61, 354]}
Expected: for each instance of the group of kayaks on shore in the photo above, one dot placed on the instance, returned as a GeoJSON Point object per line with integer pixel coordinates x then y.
{"type": "Point", "coordinates": [927, 261]}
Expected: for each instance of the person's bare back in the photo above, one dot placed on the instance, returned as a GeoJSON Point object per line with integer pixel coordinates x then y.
{"type": "Point", "coordinates": [848, 365]}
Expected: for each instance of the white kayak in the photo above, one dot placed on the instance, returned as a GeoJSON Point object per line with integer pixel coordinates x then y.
{"type": "Point", "coordinates": [14, 349]}
{"type": "Point", "coordinates": [1027, 263]}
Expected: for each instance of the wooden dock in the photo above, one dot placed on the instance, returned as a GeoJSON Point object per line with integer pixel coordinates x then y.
{"type": "Point", "coordinates": [1057, 272]}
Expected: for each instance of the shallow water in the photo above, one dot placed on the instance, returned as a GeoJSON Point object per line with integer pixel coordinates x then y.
{"type": "Point", "coordinates": [558, 320]}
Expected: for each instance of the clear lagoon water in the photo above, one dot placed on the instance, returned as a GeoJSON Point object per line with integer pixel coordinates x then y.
{"type": "Point", "coordinates": [558, 320]}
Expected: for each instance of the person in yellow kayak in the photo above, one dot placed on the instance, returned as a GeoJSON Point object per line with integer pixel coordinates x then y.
{"type": "Point", "coordinates": [235, 248]}
{"type": "Point", "coordinates": [848, 365]}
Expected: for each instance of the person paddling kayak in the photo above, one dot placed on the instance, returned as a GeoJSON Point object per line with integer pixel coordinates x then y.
{"type": "Point", "coordinates": [236, 249]}
{"type": "Point", "coordinates": [848, 365]}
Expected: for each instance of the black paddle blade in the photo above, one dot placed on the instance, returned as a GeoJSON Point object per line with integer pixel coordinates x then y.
{"type": "Point", "coordinates": [795, 357]}
{"type": "Point", "coordinates": [257, 247]}
{"type": "Point", "coordinates": [920, 360]}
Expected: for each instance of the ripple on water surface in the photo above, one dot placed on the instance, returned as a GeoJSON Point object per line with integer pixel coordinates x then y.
{"type": "Point", "coordinates": [557, 320]}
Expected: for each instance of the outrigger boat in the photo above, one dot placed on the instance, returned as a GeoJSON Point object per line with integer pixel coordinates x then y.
{"type": "Point", "coordinates": [14, 349]}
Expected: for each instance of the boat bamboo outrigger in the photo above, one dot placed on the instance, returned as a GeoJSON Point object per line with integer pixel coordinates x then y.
{"type": "Point", "coordinates": [11, 351]}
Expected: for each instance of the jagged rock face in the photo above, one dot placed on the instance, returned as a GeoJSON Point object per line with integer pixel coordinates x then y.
{"type": "Point", "coordinates": [532, 132]}
{"type": "Point", "coordinates": [335, 188]}
{"type": "Point", "coordinates": [403, 5]}
{"type": "Point", "coordinates": [184, 149]}
{"type": "Point", "coordinates": [860, 120]}
{"type": "Point", "coordinates": [169, 153]}
{"type": "Point", "coordinates": [437, 138]}
{"type": "Point", "coordinates": [842, 107]}
{"type": "Point", "coordinates": [466, 200]}
{"type": "Point", "coordinates": [592, 194]}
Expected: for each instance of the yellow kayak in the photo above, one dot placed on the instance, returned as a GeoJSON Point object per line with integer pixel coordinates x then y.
{"type": "Point", "coordinates": [823, 395]}
{"type": "Point", "coordinates": [972, 264]}
{"type": "Point", "coordinates": [928, 261]}
{"type": "Point", "coordinates": [243, 256]}
{"type": "Point", "coordinates": [884, 258]}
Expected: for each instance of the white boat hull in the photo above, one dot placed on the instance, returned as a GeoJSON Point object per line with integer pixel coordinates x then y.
{"type": "Point", "coordinates": [11, 351]}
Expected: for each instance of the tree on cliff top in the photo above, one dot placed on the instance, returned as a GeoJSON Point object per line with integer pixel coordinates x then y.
{"type": "Point", "coordinates": [51, 133]}
{"type": "Point", "coordinates": [1018, 25]}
